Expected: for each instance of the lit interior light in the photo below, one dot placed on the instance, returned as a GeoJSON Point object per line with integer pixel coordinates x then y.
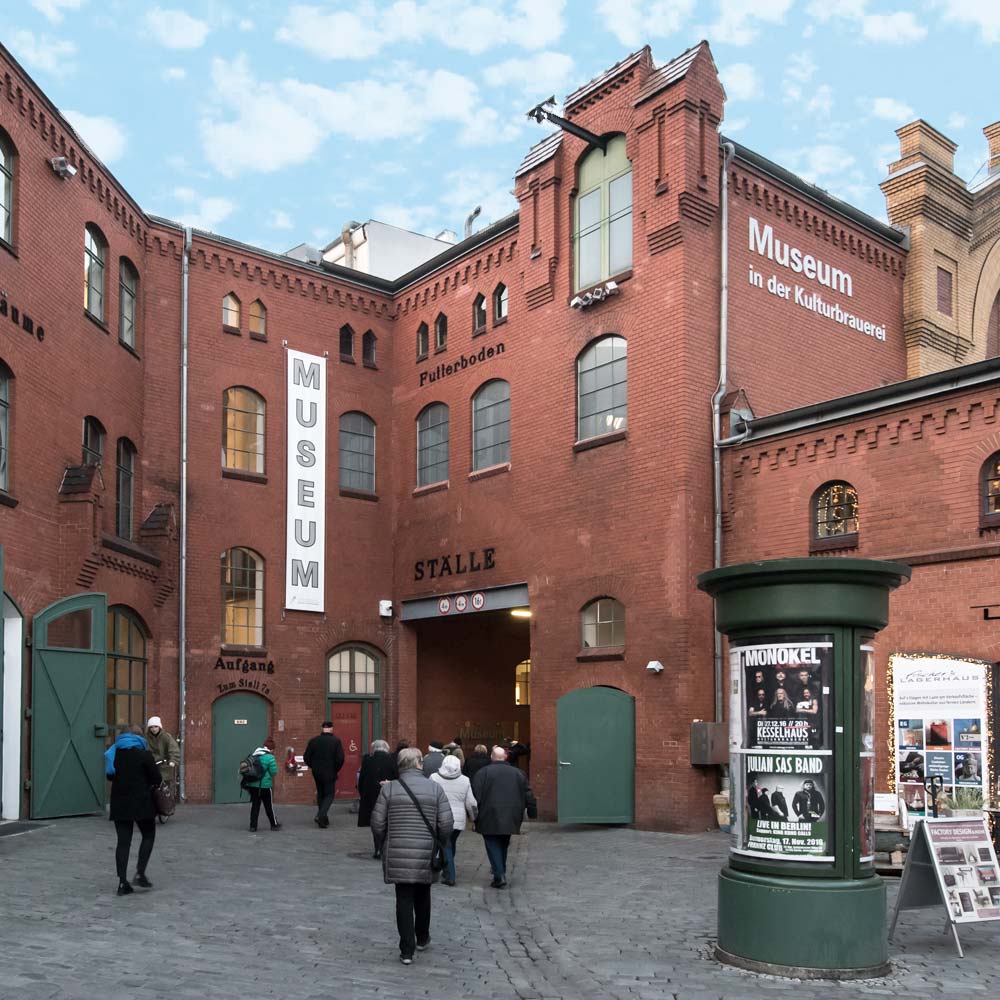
{"type": "Point", "coordinates": [521, 612]}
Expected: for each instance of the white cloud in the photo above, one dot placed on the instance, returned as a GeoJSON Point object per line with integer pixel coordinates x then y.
{"type": "Point", "coordinates": [51, 55]}
{"type": "Point", "coordinates": [981, 14]}
{"type": "Point", "coordinates": [173, 73]}
{"type": "Point", "coordinates": [174, 29]}
{"type": "Point", "coordinates": [826, 10]}
{"type": "Point", "coordinates": [738, 20]}
{"type": "Point", "coordinates": [800, 68]}
{"type": "Point", "coordinates": [884, 154]}
{"type": "Point", "coordinates": [899, 28]}
{"type": "Point", "coordinates": [957, 121]}
{"type": "Point", "coordinates": [53, 9]}
{"type": "Point", "coordinates": [544, 73]}
{"type": "Point", "coordinates": [741, 82]}
{"type": "Point", "coordinates": [734, 125]}
{"type": "Point", "coordinates": [821, 103]}
{"type": "Point", "coordinates": [413, 217]}
{"type": "Point", "coordinates": [246, 24]}
{"type": "Point", "coordinates": [280, 220]}
{"type": "Point", "coordinates": [634, 22]}
{"type": "Point", "coordinates": [206, 213]}
{"type": "Point", "coordinates": [819, 162]}
{"type": "Point", "coordinates": [103, 135]}
{"type": "Point", "coordinates": [464, 189]}
{"type": "Point", "coordinates": [891, 110]}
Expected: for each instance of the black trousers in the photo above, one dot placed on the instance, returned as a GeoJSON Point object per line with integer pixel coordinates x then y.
{"type": "Point", "coordinates": [257, 796]}
{"type": "Point", "coordinates": [147, 827]}
{"type": "Point", "coordinates": [413, 915]}
{"type": "Point", "coordinates": [326, 788]}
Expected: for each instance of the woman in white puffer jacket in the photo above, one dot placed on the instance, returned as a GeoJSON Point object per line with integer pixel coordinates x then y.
{"type": "Point", "coordinates": [458, 788]}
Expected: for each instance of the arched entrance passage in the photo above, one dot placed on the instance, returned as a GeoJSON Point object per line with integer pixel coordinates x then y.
{"type": "Point", "coordinates": [595, 738]}
{"type": "Point", "coordinates": [239, 726]}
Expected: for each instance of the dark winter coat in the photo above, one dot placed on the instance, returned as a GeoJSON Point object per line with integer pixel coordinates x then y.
{"type": "Point", "coordinates": [503, 794]}
{"type": "Point", "coordinates": [474, 763]}
{"type": "Point", "coordinates": [432, 763]}
{"type": "Point", "coordinates": [407, 843]}
{"type": "Point", "coordinates": [375, 767]}
{"type": "Point", "coordinates": [132, 784]}
{"type": "Point", "coordinates": [324, 756]}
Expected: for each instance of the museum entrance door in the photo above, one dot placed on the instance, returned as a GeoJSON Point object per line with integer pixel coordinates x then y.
{"type": "Point", "coordinates": [239, 726]}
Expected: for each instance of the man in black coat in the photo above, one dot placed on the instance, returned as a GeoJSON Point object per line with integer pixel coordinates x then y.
{"type": "Point", "coordinates": [503, 794]}
{"type": "Point", "coordinates": [432, 762]}
{"type": "Point", "coordinates": [324, 756]}
{"type": "Point", "coordinates": [478, 759]}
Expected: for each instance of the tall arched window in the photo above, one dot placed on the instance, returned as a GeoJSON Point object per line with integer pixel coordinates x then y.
{"type": "Point", "coordinates": [128, 297]}
{"type": "Point", "coordinates": [357, 452]}
{"type": "Point", "coordinates": [95, 251]}
{"type": "Point", "coordinates": [499, 303]}
{"type": "Point", "coordinates": [491, 425]}
{"type": "Point", "coordinates": [231, 312]}
{"type": "Point", "coordinates": [93, 441]}
{"type": "Point", "coordinates": [993, 329]}
{"type": "Point", "coordinates": [126, 671]}
{"type": "Point", "coordinates": [353, 670]}
{"type": "Point", "coordinates": [423, 339]}
{"type": "Point", "coordinates": [479, 313]}
{"type": "Point", "coordinates": [242, 597]}
{"type": "Point", "coordinates": [346, 343]}
{"type": "Point", "coordinates": [440, 332]}
{"type": "Point", "coordinates": [368, 349]}
{"type": "Point", "coordinates": [835, 512]}
{"type": "Point", "coordinates": [603, 622]}
{"type": "Point", "coordinates": [5, 380]}
{"type": "Point", "coordinates": [7, 155]}
{"type": "Point", "coordinates": [601, 384]}
{"type": "Point", "coordinates": [991, 486]}
{"type": "Point", "coordinates": [602, 229]}
{"type": "Point", "coordinates": [258, 320]}
{"type": "Point", "coordinates": [243, 415]}
{"type": "Point", "coordinates": [125, 489]}
{"type": "Point", "coordinates": [432, 444]}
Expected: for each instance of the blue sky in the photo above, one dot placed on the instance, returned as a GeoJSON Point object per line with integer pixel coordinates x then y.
{"type": "Point", "coordinates": [274, 123]}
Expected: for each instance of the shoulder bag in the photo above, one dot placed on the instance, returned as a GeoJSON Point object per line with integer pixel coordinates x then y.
{"type": "Point", "coordinates": [437, 858]}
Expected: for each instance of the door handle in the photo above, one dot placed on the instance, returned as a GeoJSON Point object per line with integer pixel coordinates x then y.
{"type": "Point", "coordinates": [565, 763]}
{"type": "Point", "coordinates": [100, 729]}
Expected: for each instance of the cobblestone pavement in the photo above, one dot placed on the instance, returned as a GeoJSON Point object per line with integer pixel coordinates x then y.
{"type": "Point", "coordinates": [303, 913]}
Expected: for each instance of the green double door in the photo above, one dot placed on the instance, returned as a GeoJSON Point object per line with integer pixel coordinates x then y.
{"type": "Point", "coordinates": [239, 726]}
{"type": "Point", "coordinates": [595, 738]}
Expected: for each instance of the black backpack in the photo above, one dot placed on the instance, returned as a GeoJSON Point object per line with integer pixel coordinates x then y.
{"type": "Point", "coordinates": [251, 770]}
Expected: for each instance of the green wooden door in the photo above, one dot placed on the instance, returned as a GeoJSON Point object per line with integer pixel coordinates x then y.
{"type": "Point", "coordinates": [68, 723]}
{"type": "Point", "coordinates": [595, 736]}
{"type": "Point", "coordinates": [239, 726]}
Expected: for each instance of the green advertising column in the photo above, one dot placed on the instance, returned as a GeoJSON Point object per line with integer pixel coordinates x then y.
{"type": "Point", "coordinates": [799, 895]}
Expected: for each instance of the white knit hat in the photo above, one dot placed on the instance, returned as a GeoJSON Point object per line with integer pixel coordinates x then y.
{"type": "Point", "coordinates": [154, 721]}
{"type": "Point", "coordinates": [451, 767]}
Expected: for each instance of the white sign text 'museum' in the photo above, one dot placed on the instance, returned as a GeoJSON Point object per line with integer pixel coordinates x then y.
{"type": "Point", "coordinates": [305, 505]}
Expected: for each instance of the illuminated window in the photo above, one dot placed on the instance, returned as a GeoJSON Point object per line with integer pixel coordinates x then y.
{"type": "Point", "coordinates": [95, 250]}
{"type": "Point", "coordinates": [991, 485]}
{"type": "Point", "coordinates": [353, 670]}
{"type": "Point", "coordinates": [242, 598]}
{"type": "Point", "coordinates": [126, 672]}
{"type": "Point", "coordinates": [346, 343]}
{"type": "Point", "coordinates": [522, 683]}
{"type": "Point", "coordinates": [432, 444]}
{"type": "Point", "coordinates": [499, 303]}
{"type": "Point", "coordinates": [479, 314]}
{"type": "Point", "coordinates": [602, 380]}
{"type": "Point", "coordinates": [602, 227]}
{"type": "Point", "coordinates": [603, 623]}
{"type": "Point", "coordinates": [423, 338]}
{"type": "Point", "coordinates": [243, 415]}
{"type": "Point", "coordinates": [835, 509]}
{"type": "Point", "coordinates": [231, 312]}
{"type": "Point", "coordinates": [440, 332]}
{"type": "Point", "coordinates": [93, 441]}
{"type": "Point", "coordinates": [491, 425]}
{"type": "Point", "coordinates": [357, 452]}
{"type": "Point", "coordinates": [258, 320]}
{"type": "Point", "coordinates": [125, 489]}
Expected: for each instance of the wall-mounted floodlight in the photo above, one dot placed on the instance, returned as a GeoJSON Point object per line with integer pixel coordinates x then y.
{"type": "Point", "coordinates": [62, 167]}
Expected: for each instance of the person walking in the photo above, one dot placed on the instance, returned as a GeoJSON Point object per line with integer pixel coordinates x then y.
{"type": "Point", "coordinates": [163, 747]}
{"type": "Point", "coordinates": [479, 757]}
{"type": "Point", "coordinates": [458, 788]}
{"type": "Point", "coordinates": [411, 816]}
{"type": "Point", "coordinates": [454, 749]}
{"type": "Point", "coordinates": [131, 769]}
{"type": "Point", "coordinates": [435, 754]}
{"type": "Point", "coordinates": [260, 788]}
{"type": "Point", "coordinates": [324, 756]}
{"type": "Point", "coordinates": [503, 794]}
{"type": "Point", "coordinates": [376, 766]}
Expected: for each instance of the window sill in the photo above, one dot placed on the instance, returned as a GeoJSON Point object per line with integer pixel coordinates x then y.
{"type": "Point", "coordinates": [489, 471]}
{"type": "Point", "coordinates": [989, 522]}
{"type": "Point", "coordinates": [99, 323]}
{"type": "Point", "coordinates": [131, 350]}
{"type": "Point", "coordinates": [231, 330]}
{"type": "Point", "coordinates": [834, 544]}
{"type": "Point", "coordinates": [347, 359]}
{"type": "Point", "coordinates": [478, 331]}
{"type": "Point", "coordinates": [597, 654]}
{"type": "Point", "coordinates": [422, 491]}
{"type": "Point", "coordinates": [499, 322]}
{"type": "Point", "coordinates": [421, 357]}
{"type": "Point", "coordinates": [127, 548]}
{"type": "Point", "coordinates": [371, 365]}
{"type": "Point", "coordinates": [662, 187]}
{"type": "Point", "coordinates": [262, 337]}
{"type": "Point", "coordinates": [246, 477]}
{"type": "Point", "coordinates": [250, 650]}
{"type": "Point", "coordinates": [9, 247]}
{"type": "Point", "coordinates": [441, 349]}
{"type": "Point", "coordinates": [618, 279]}
{"type": "Point", "coordinates": [6, 500]}
{"type": "Point", "coordinates": [358, 494]}
{"type": "Point", "coordinates": [602, 439]}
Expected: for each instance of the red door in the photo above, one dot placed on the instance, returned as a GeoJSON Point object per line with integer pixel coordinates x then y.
{"type": "Point", "coordinates": [346, 717]}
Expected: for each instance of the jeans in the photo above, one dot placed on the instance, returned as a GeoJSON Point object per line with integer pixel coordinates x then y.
{"type": "Point", "coordinates": [496, 851]}
{"type": "Point", "coordinates": [413, 899]}
{"type": "Point", "coordinates": [325, 791]}
{"type": "Point", "coordinates": [449, 855]}
{"type": "Point", "coordinates": [257, 796]}
{"type": "Point", "coordinates": [147, 827]}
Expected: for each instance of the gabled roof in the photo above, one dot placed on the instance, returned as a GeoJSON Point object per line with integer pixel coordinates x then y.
{"type": "Point", "coordinates": [619, 67]}
{"type": "Point", "coordinates": [670, 73]}
{"type": "Point", "coordinates": [540, 152]}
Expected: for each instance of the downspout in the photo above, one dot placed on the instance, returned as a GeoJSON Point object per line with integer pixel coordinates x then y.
{"type": "Point", "coordinates": [728, 151]}
{"type": "Point", "coordinates": [182, 595]}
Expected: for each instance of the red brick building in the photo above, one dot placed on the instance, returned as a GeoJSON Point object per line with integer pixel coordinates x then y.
{"type": "Point", "coordinates": [518, 441]}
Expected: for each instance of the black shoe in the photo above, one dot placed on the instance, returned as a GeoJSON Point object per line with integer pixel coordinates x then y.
{"type": "Point", "coordinates": [316, 820]}
{"type": "Point", "coordinates": [497, 883]}
{"type": "Point", "coordinates": [253, 829]}
{"type": "Point", "coordinates": [406, 959]}
{"type": "Point", "coordinates": [323, 823]}
{"type": "Point", "coordinates": [275, 826]}
{"type": "Point", "coordinates": [447, 881]}
{"type": "Point", "coordinates": [502, 884]}
{"type": "Point", "coordinates": [424, 946]}
{"type": "Point", "coordinates": [141, 880]}
{"type": "Point", "coordinates": [377, 855]}
{"type": "Point", "coordinates": [124, 889]}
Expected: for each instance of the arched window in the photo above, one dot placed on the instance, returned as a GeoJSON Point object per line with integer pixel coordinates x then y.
{"type": "Point", "coordinates": [126, 671]}
{"type": "Point", "coordinates": [835, 512]}
{"type": "Point", "coordinates": [242, 597]}
{"type": "Point", "coordinates": [346, 343]}
{"type": "Point", "coordinates": [93, 441]}
{"type": "Point", "coordinates": [601, 384]}
{"type": "Point", "coordinates": [357, 452]}
{"type": "Point", "coordinates": [603, 622]}
{"type": "Point", "coordinates": [993, 330]}
{"type": "Point", "coordinates": [5, 380]}
{"type": "Point", "coordinates": [602, 227]}
{"type": "Point", "coordinates": [368, 349]}
{"type": "Point", "coordinates": [231, 313]}
{"type": "Point", "coordinates": [491, 425]}
{"type": "Point", "coordinates": [991, 486]}
{"type": "Point", "coordinates": [128, 296]}
{"type": "Point", "coordinates": [95, 251]}
{"type": "Point", "coordinates": [125, 489]}
{"type": "Point", "coordinates": [440, 332]}
{"type": "Point", "coordinates": [479, 313]}
{"type": "Point", "coordinates": [499, 303]}
{"type": "Point", "coordinates": [353, 670]}
{"type": "Point", "coordinates": [7, 155]}
{"type": "Point", "coordinates": [432, 444]}
{"type": "Point", "coordinates": [258, 320]}
{"type": "Point", "coordinates": [243, 414]}
{"type": "Point", "coordinates": [423, 339]}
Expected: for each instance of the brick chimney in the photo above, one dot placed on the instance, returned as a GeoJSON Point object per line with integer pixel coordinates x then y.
{"type": "Point", "coordinates": [920, 142]}
{"type": "Point", "coordinates": [992, 133]}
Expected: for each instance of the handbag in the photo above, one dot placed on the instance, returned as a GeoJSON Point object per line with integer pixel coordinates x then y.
{"type": "Point", "coordinates": [163, 799]}
{"type": "Point", "coordinates": [437, 858]}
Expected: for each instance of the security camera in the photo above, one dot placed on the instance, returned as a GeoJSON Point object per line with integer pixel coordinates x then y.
{"type": "Point", "coordinates": [576, 303]}
{"type": "Point", "coordinates": [611, 287]}
{"type": "Point", "coordinates": [385, 609]}
{"type": "Point", "coordinates": [62, 167]}
{"type": "Point", "coordinates": [654, 667]}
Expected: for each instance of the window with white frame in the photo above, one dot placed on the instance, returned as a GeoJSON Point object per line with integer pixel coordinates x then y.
{"type": "Point", "coordinates": [242, 597]}
{"type": "Point", "coordinates": [602, 227]}
{"type": "Point", "coordinates": [602, 384]}
{"type": "Point", "coordinates": [603, 622]}
{"type": "Point", "coordinates": [491, 425]}
{"type": "Point", "coordinates": [95, 250]}
{"type": "Point", "coordinates": [243, 416]}
{"type": "Point", "coordinates": [128, 297]}
{"type": "Point", "coordinates": [357, 452]}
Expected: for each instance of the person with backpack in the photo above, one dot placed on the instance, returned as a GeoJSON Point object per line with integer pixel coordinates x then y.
{"type": "Point", "coordinates": [258, 772]}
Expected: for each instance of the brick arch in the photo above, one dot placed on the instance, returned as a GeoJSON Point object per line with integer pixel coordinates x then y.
{"type": "Point", "coordinates": [987, 293]}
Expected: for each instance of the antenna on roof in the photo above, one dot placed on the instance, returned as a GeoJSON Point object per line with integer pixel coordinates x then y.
{"type": "Point", "coordinates": [541, 113]}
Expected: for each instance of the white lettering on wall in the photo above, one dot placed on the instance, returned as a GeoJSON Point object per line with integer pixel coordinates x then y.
{"type": "Point", "coordinates": [764, 242]}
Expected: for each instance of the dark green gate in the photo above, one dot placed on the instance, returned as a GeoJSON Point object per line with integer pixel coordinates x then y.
{"type": "Point", "coordinates": [596, 756]}
{"type": "Point", "coordinates": [239, 726]}
{"type": "Point", "coordinates": [68, 721]}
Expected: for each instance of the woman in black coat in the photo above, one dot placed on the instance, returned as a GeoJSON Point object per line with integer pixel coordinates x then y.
{"type": "Point", "coordinates": [133, 774]}
{"type": "Point", "coordinates": [376, 767]}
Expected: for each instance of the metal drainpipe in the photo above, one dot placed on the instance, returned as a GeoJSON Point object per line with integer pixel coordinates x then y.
{"type": "Point", "coordinates": [729, 151]}
{"type": "Point", "coordinates": [182, 596]}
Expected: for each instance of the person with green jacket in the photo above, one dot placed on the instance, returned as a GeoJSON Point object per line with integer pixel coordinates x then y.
{"type": "Point", "coordinates": [260, 789]}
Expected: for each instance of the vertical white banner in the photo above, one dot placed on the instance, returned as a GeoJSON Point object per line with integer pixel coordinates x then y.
{"type": "Point", "coordinates": [305, 506]}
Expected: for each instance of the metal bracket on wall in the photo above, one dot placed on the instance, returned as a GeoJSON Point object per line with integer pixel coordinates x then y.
{"type": "Point", "coordinates": [987, 608]}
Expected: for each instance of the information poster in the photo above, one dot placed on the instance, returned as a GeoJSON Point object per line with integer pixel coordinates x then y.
{"type": "Point", "coordinates": [940, 710]}
{"type": "Point", "coordinates": [966, 867]}
{"type": "Point", "coordinates": [781, 734]}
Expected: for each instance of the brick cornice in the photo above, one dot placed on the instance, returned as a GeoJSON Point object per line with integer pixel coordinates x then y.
{"type": "Point", "coordinates": [924, 333]}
